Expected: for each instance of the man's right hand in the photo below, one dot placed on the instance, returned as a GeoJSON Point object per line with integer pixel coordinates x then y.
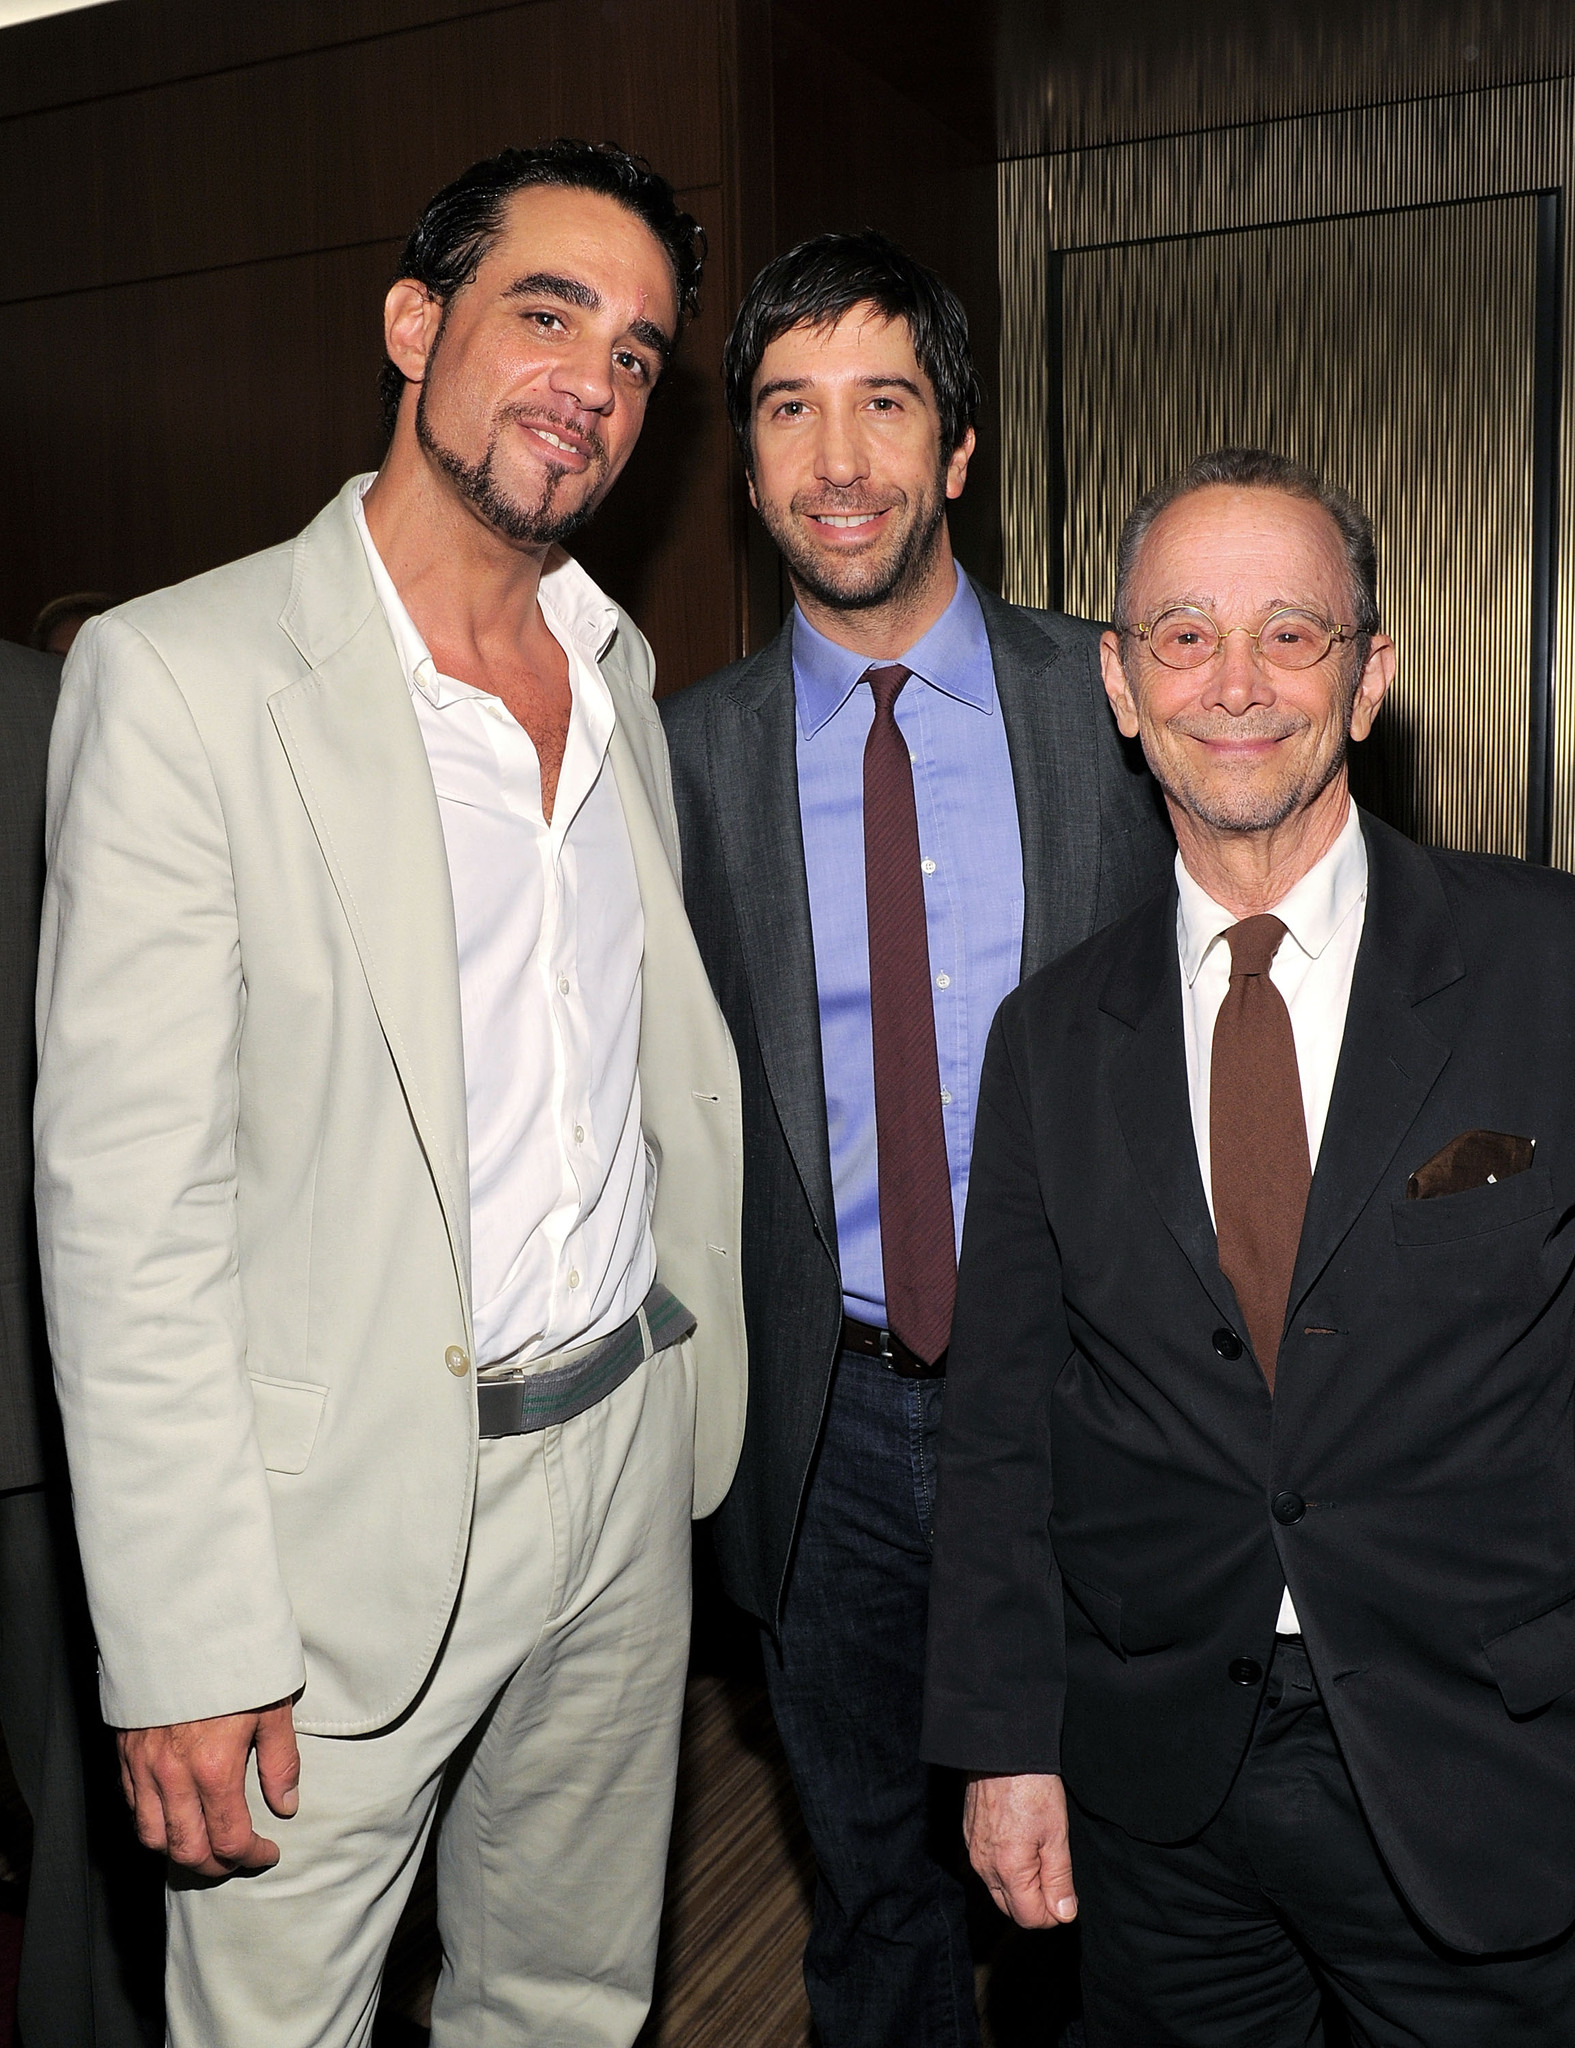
{"type": "Point", "coordinates": [186, 1785]}
{"type": "Point", "coordinates": [1017, 1841]}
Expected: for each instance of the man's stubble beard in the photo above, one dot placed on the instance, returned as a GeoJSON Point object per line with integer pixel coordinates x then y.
{"type": "Point", "coordinates": [1224, 809]}
{"type": "Point", "coordinates": [533, 526]}
{"type": "Point", "coordinates": [887, 581]}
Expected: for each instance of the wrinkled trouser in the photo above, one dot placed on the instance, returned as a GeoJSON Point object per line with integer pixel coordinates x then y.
{"type": "Point", "coordinates": [545, 1746]}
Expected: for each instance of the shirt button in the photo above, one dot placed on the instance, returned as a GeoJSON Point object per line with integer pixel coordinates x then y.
{"type": "Point", "coordinates": [579, 1134]}
{"type": "Point", "coordinates": [574, 1276]}
{"type": "Point", "coordinates": [456, 1361]}
{"type": "Point", "coordinates": [946, 1096]}
{"type": "Point", "coordinates": [943, 981]}
{"type": "Point", "coordinates": [563, 984]}
{"type": "Point", "coordinates": [928, 866]}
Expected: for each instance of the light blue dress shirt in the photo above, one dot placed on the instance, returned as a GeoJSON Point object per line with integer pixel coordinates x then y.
{"type": "Point", "coordinates": [971, 847]}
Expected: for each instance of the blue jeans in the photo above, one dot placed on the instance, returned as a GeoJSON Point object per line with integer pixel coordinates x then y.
{"type": "Point", "coordinates": [887, 1964]}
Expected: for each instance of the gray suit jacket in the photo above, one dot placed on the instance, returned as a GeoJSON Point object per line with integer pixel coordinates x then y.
{"type": "Point", "coordinates": [29, 685]}
{"type": "Point", "coordinates": [1095, 843]}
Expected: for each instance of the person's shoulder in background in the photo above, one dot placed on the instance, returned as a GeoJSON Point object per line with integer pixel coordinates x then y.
{"type": "Point", "coordinates": [29, 691]}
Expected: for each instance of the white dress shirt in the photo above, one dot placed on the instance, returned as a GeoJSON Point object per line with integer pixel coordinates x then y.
{"type": "Point", "coordinates": [551, 936]}
{"type": "Point", "coordinates": [1323, 917]}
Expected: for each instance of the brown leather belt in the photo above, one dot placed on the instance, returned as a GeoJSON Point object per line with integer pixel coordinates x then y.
{"type": "Point", "coordinates": [889, 1348]}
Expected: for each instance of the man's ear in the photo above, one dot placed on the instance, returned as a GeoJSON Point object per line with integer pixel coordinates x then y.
{"type": "Point", "coordinates": [1117, 687]}
{"type": "Point", "coordinates": [957, 468]}
{"type": "Point", "coordinates": [1372, 685]}
{"type": "Point", "coordinates": [411, 319]}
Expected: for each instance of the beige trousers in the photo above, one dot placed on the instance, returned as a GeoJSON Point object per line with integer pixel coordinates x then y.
{"type": "Point", "coordinates": [545, 1744]}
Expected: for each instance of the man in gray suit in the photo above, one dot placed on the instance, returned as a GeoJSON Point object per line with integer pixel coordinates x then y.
{"type": "Point", "coordinates": [915, 795]}
{"type": "Point", "coordinates": [73, 1990]}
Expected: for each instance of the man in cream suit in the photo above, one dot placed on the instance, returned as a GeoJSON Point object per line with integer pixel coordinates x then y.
{"type": "Point", "coordinates": [388, 1155]}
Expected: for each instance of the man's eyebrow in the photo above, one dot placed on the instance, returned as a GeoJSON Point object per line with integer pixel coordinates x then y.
{"type": "Point", "coordinates": [779, 385]}
{"type": "Point", "coordinates": [574, 291]}
{"type": "Point", "coordinates": [892, 383]}
{"type": "Point", "coordinates": [543, 284]}
{"type": "Point", "coordinates": [653, 337]}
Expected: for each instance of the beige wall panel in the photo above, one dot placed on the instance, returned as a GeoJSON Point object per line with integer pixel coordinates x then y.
{"type": "Point", "coordinates": [1502, 143]}
{"type": "Point", "coordinates": [1394, 353]}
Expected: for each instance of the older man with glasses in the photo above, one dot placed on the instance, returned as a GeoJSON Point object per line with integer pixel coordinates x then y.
{"type": "Point", "coordinates": [1254, 1590]}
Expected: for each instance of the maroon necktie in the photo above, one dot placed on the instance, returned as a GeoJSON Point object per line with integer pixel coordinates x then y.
{"type": "Point", "coordinates": [1257, 1138]}
{"type": "Point", "coordinates": [918, 1248]}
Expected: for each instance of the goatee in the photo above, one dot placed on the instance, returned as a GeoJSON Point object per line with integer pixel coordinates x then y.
{"type": "Point", "coordinates": [542, 525]}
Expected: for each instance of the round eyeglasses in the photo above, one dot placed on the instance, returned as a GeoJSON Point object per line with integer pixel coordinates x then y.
{"type": "Point", "coordinates": [1184, 637]}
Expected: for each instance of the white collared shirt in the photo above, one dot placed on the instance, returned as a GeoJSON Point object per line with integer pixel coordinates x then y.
{"type": "Point", "coordinates": [1323, 917]}
{"type": "Point", "coordinates": [551, 935]}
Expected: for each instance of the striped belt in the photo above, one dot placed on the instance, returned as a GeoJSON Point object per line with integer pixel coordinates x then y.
{"type": "Point", "coordinates": [565, 1383]}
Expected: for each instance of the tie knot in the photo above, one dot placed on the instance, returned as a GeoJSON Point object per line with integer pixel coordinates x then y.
{"type": "Point", "coordinates": [1253, 944]}
{"type": "Point", "coordinates": [886, 685]}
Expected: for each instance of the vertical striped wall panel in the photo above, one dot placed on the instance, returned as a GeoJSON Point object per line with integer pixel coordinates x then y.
{"type": "Point", "coordinates": [1357, 288]}
{"type": "Point", "coordinates": [1377, 349]}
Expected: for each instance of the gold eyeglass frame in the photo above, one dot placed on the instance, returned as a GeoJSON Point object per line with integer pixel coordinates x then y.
{"type": "Point", "coordinates": [1338, 637]}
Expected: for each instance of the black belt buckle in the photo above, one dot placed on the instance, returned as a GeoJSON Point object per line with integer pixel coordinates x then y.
{"type": "Point", "coordinates": [888, 1347]}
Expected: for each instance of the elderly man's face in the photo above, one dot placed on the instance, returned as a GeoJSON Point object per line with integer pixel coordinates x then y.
{"type": "Point", "coordinates": [1241, 745]}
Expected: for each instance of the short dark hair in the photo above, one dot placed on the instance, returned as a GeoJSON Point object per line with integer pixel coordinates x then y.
{"type": "Point", "coordinates": [1259, 469]}
{"type": "Point", "coordinates": [814, 284]}
{"type": "Point", "coordinates": [457, 227]}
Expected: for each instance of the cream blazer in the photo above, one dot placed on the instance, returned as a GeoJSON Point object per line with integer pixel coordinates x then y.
{"type": "Point", "coordinates": [253, 1190]}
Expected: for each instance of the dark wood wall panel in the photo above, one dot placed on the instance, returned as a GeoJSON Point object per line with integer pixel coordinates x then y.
{"type": "Point", "coordinates": [855, 149]}
{"type": "Point", "coordinates": [190, 323]}
{"type": "Point", "coordinates": [207, 203]}
{"type": "Point", "coordinates": [166, 427]}
{"type": "Point", "coordinates": [105, 50]}
{"type": "Point", "coordinates": [344, 145]}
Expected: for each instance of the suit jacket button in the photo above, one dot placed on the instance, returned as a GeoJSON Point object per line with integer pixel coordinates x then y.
{"type": "Point", "coordinates": [1288, 1507]}
{"type": "Point", "coordinates": [1227, 1343]}
{"type": "Point", "coordinates": [456, 1361]}
{"type": "Point", "coordinates": [1244, 1671]}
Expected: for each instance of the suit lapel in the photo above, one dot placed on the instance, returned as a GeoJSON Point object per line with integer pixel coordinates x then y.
{"type": "Point", "coordinates": [1388, 1060]}
{"type": "Point", "coordinates": [754, 767]}
{"type": "Point", "coordinates": [354, 747]}
{"type": "Point", "coordinates": [1153, 1103]}
{"type": "Point", "coordinates": [1388, 1064]}
{"type": "Point", "coordinates": [1054, 774]}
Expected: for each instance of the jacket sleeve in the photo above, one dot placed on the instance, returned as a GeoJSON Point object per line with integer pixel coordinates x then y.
{"type": "Point", "coordinates": [140, 1000]}
{"type": "Point", "coordinates": [996, 1657]}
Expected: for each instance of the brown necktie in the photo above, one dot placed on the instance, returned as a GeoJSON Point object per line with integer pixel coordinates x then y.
{"type": "Point", "coordinates": [1257, 1138]}
{"type": "Point", "coordinates": [918, 1248]}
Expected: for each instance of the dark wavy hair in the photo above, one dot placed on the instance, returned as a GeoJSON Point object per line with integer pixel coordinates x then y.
{"type": "Point", "coordinates": [458, 226]}
{"type": "Point", "coordinates": [814, 284]}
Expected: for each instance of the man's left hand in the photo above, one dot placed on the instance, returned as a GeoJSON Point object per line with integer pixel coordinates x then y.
{"type": "Point", "coordinates": [1015, 1829]}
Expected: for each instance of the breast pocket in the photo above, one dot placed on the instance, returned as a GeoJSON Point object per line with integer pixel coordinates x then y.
{"type": "Point", "coordinates": [1478, 1213]}
{"type": "Point", "coordinates": [288, 1415]}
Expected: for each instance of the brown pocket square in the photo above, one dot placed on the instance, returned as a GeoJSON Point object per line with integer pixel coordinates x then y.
{"type": "Point", "coordinates": [1470, 1161]}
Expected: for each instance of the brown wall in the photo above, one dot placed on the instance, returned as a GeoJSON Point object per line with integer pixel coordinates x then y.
{"type": "Point", "coordinates": [205, 213]}
{"type": "Point", "coordinates": [206, 203]}
{"type": "Point", "coordinates": [884, 117]}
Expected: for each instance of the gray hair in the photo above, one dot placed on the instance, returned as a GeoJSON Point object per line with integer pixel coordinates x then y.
{"type": "Point", "coordinates": [1258, 469]}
